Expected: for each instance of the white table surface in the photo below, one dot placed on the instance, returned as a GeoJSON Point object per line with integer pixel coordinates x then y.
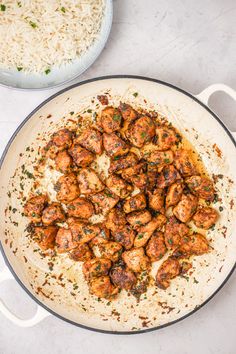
{"type": "Point", "coordinates": [192, 45]}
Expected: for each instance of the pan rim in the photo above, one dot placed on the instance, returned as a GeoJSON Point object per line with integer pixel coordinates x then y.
{"type": "Point", "coordinates": [4, 154]}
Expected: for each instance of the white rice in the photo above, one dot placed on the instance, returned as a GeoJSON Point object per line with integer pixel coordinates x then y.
{"type": "Point", "coordinates": [36, 35]}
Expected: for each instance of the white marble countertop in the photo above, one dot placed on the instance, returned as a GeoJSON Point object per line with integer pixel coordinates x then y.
{"type": "Point", "coordinates": [190, 44]}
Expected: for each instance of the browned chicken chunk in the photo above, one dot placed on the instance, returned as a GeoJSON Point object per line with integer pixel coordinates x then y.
{"type": "Point", "coordinates": [91, 139]}
{"type": "Point", "coordinates": [195, 244]}
{"type": "Point", "coordinates": [110, 119]}
{"type": "Point", "coordinates": [138, 218]}
{"type": "Point", "coordinates": [114, 145]}
{"type": "Point", "coordinates": [156, 247]}
{"type": "Point", "coordinates": [119, 163]}
{"type": "Point", "coordinates": [156, 199]}
{"type": "Point", "coordinates": [175, 231]}
{"type": "Point", "coordinates": [115, 220]}
{"type": "Point", "coordinates": [67, 188]}
{"type": "Point", "coordinates": [153, 155]}
{"type": "Point", "coordinates": [137, 202]}
{"type": "Point", "coordinates": [62, 139]}
{"type": "Point", "coordinates": [81, 253]}
{"type": "Point", "coordinates": [63, 162]}
{"type": "Point", "coordinates": [136, 175]}
{"type": "Point", "coordinates": [146, 231]}
{"type": "Point", "coordinates": [122, 277]}
{"type": "Point", "coordinates": [167, 177]}
{"type": "Point", "coordinates": [89, 181]}
{"type": "Point", "coordinates": [103, 236]}
{"type": "Point", "coordinates": [174, 194]}
{"type": "Point", "coordinates": [64, 240]}
{"type": "Point", "coordinates": [136, 260]}
{"type": "Point", "coordinates": [205, 217]}
{"type": "Point", "coordinates": [81, 156]}
{"type": "Point", "coordinates": [186, 207]}
{"type": "Point", "coordinates": [166, 137]}
{"type": "Point", "coordinates": [53, 213]}
{"type": "Point", "coordinates": [104, 201]}
{"type": "Point", "coordinates": [80, 208]}
{"type": "Point", "coordinates": [118, 186]}
{"type": "Point", "coordinates": [183, 163]}
{"type": "Point", "coordinates": [202, 187]}
{"type": "Point", "coordinates": [125, 236]}
{"type": "Point", "coordinates": [110, 250]}
{"type": "Point", "coordinates": [142, 131]}
{"type": "Point", "coordinates": [45, 236]}
{"type": "Point", "coordinates": [169, 269]}
{"type": "Point", "coordinates": [103, 288]}
{"type": "Point", "coordinates": [128, 113]}
{"type": "Point", "coordinates": [152, 174]}
{"type": "Point", "coordinates": [96, 267]}
{"type": "Point", "coordinates": [82, 232]}
{"type": "Point", "coordinates": [33, 208]}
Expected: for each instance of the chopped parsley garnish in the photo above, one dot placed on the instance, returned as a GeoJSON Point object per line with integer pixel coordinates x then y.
{"type": "Point", "coordinates": [166, 160]}
{"type": "Point", "coordinates": [3, 7]}
{"type": "Point", "coordinates": [221, 208]}
{"type": "Point", "coordinates": [33, 24]}
{"type": "Point", "coordinates": [89, 110]}
{"type": "Point", "coordinates": [19, 68]}
{"type": "Point", "coordinates": [47, 71]}
{"type": "Point", "coordinates": [143, 134]}
{"type": "Point", "coordinates": [135, 94]}
{"type": "Point", "coordinates": [140, 236]}
{"type": "Point", "coordinates": [63, 9]}
{"type": "Point", "coordinates": [116, 117]}
{"type": "Point", "coordinates": [19, 3]}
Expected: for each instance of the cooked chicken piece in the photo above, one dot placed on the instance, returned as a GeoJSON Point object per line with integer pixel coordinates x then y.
{"type": "Point", "coordinates": [122, 277]}
{"type": "Point", "coordinates": [142, 131]}
{"type": "Point", "coordinates": [110, 119]}
{"type": "Point", "coordinates": [137, 202]}
{"type": "Point", "coordinates": [186, 207]}
{"type": "Point", "coordinates": [110, 250]}
{"type": "Point", "coordinates": [205, 217]}
{"type": "Point", "coordinates": [138, 218]}
{"type": "Point", "coordinates": [63, 161]}
{"type": "Point", "coordinates": [115, 220]}
{"type": "Point", "coordinates": [175, 231]}
{"type": "Point", "coordinates": [80, 208]}
{"type": "Point", "coordinates": [67, 188]}
{"type": "Point", "coordinates": [183, 162]}
{"type": "Point", "coordinates": [62, 139]}
{"type": "Point", "coordinates": [146, 231]}
{"type": "Point", "coordinates": [167, 177]}
{"type": "Point", "coordinates": [128, 113]}
{"type": "Point", "coordinates": [89, 181]}
{"type": "Point", "coordinates": [45, 236]}
{"type": "Point", "coordinates": [136, 175]}
{"type": "Point", "coordinates": [64, 240]}
{"type": "Point", "coordinates": [81, 253]}
{"type": "Point", "coordinates": [125, 236]}
{"type": "Point", "coordinates": [156, 247]}
{"type": "Point", "coordinates": [195, 244]}
{"type": "Point", "coordinates": [82, 232]}
{"type": "Point", "coordinates": [141, 286]}
{"type": "Point", "coordinates": [53, 213]}
{"type": "Point", "coordinates": [33, 208]}
{"type": "Point", "coordinates": [136, 260]}
{"type": "Point", "coordinates": [104, 201]}
{"type": "Point", "coordinates": [202, 187]}
{"type": "Point", "coordinates": [90, 139]}
{"type": "Point", "coordinates": [96, 267]}
{"type": "Point", "coordinates": [166, 137]}
{"type": "Point", "coordinates": [156, 199]}
{"type": "Point", "coordinates": [169, 269]}
{"type": "Point", "coordinates": [114, 145]}
{"type": "Point", "coordinates": [152, 174]}
{"type": "Point", "coordinates": [103, 236]}
{"type": "Point", "coordinates": [119, 163]}
{"type": "Point", "coordinates": [153, 155]}
{"type": "Point", "coordinates": [118, 186]}
{"type": "Point", "coordinates": [81, 157]}
{"type": "Point", "coordinates": [174, 194]}
{"type": "Point", "coordinates": [103, 288]}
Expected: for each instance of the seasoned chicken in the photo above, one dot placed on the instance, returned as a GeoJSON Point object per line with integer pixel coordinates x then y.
{"type": "Point", "coordinates": [104, 201]}
{"type": "Point", "coordinates": [166, 137]}
{"type": "Point", "coordinates": [146, 231]}
{"type": "Point", "coordinates": [90, 139]}
{"type": "Point", "coordinates": [152, 174]}
{"type": "Point", "coordinates": [110, 250]}
{"type": "Point", "coordinates": [53, 213]}
{"type": "Point", "coordinates": [136, 260]}
{"type": "Point", "coordinates": [156, 247]}
{"type": "Point", "coordinates": [118, 186]}
{"type": "Point", "coordinates": [45, 236]}
{"type": "Point", "coordinates": [81, 231]}
{"type": "Point", "coordinates": [175, 231]}
{"type": "Point", "coordinates": [168, 176]}
{"type": "Point", "coordinates": [205, 217]}
{"type": "Point", "coordinates": [186, 207]}
{"type": "Point", "coordinates": [103, 288]}
{"type": "Point", "coordinates": [138, 218]}
{"type": "Point", "coordinates": [125, 236]}
{"type": "Point", "coordinates": [67, 188]}
{"type": "Point", "coordinates": [64, 240]}
{"type": "Point", "coordinates": [169, 269]}
{"type": "Point", "coordinates": [154, 156]}
{"type": "Point", "coordinates": [128, 113]}
{"type": "Point", "coordinates": [81, 157]}
{"type": "Point", "coordinates": [89, 181]}
{"type": "Point", "coordinates": [122, 277]}
{"type": "Point", "coordinates": [114, 146]}
{"type": "Point", "coordinates": [137, 202]}
{"type": "Point", "coordinates": [183, 162]}
{"type": "Point", "coordinates": [96, 267]}
{"type": "Point", "coordinates": [81, 253]}
{"type": "Point", "coordinates": [202, 187]}
{"type": "Point", "coordinates": [103, 237]}
{"type": "Point", "coordinates": [115, 220]}
{"type": "Point", "coordinates": [110, 119]}
{"type": "Point", "coordinates": [119, 163]}
{"type": "Point", "coordinates": [174, 194]}
{"type": "Point", "coordinates": [142, 131]}
{"type": "Point", "coordinates": [136, 175]}
{"type": "Point", "coordinates": [80, 208]}
{"type": "Point", "coordinates": [156, 199]}
{"type": "Point", "coordinates": [62, 139]}
{"type": "Point", "coordinates": [195, 244]}
{"type": "Point", "coordinates": [33, 208]}
{"type": "Point", "coordinates": [63, 162]}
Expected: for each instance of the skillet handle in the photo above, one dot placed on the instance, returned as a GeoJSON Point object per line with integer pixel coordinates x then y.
{"type": "Point", "coordinates": [206, 94]}
{"type": "Point", "coordinates": [40, 314]}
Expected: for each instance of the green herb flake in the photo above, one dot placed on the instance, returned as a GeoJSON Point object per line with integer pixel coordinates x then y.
{"type": "Point", "coordinates": [221, 208]}
{"type": "Point", "coordinates": [143, 134]}
{"type": "Point", "coordinates": [19, 68]}
{"type": "Point", "coordinates": [166, 160]}
{"type": "Point", "coordinates": [170, 241]}
{"type": "Point", "coordinates": [195, 281]}
{"type": "Point", "coordinates": [71, 113]}
{"type": "Point", "coordinates": [135, 94]}
{"type": "Point", "coordinates": [19, 4]}
{"type": "Point", "coordinates": [89, 110]}
{"type": "Point", "coordinates": [3, 7]}
{"type": "Point", "coordinates": [33, 24]}
{"type": "Point", "coordinates": [47, 71]}
{"type": "Point", "coordinates": [116, 117]}
{"type": "Point", "coordinates": [63, 9]}
{"type": "Point", "coordinates": [139, 236]}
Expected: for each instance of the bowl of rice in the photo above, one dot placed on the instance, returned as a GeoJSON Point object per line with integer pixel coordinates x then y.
{"type": "Point", "coordinates": [48, 43]}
